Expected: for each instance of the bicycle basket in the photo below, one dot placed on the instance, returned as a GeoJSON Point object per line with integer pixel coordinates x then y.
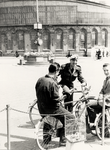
{"type": "Point", "coordinates": [75, 129]}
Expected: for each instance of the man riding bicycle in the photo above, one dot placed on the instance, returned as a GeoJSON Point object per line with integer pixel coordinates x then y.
{"type": "Point", "coordinates": [47, 92]}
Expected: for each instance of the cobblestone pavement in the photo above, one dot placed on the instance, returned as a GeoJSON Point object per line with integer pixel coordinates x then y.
{"type": "Point", "coordinates": [17, 83]}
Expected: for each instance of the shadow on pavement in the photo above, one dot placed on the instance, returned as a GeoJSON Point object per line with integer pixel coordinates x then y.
{"type": "Point", "coordinates": [24, 144]}
{"type": "Point", "coordinates": [28, 125]}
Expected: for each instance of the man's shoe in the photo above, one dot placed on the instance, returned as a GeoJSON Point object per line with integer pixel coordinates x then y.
{"type": "Point", "coordinates": [88, 130]}
{"type": "Point", "coordinates": [62, 142]}
{"type": "Point", "coordinates": [107, 134]}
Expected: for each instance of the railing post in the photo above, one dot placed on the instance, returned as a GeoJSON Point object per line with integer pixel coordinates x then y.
{"type": "Point", "coordinates": [103, 121]}
{"type": "Point", "coordinates": [8, 126]}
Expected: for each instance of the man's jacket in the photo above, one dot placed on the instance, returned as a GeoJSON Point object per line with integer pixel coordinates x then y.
{"type": "Point", "coordinates": [106, 87]}
{"type": "Point", "coordinates": [68, 75]}
{"type": "Point", "coordinates": [47, 92]}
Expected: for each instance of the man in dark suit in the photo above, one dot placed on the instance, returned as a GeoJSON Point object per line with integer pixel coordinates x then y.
{"type": "Point", "coordinates": [69, 72]}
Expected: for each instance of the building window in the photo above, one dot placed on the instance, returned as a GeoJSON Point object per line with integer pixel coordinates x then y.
{"type": "Point", "coordinates": [0, 41]}
{"type": "Point", "coordinates": [46, 39]}
{"type": "Point", "coordinates": [9, 41]}
{"type": "Point", "coordinates": [104, 37]}
{"type": "Point", "coordinates": [4, 42]}
{"type": "Point", "coordinates": [20, 40]}
{"type": "Point", "coordinates": [94, 37]}
{"type": "Point", "coordinates": [83, 39]}
{"type": "Point", "coordinates": [59, 39]}
{"type": "Point", "coordinates": [71, 39]}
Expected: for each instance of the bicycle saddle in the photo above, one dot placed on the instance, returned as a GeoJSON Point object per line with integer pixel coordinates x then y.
{"type": "Point", "coordinates": [91, 97]}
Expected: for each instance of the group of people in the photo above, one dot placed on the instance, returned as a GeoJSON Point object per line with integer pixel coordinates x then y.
{"type": "Point", "coordinates": [47, 92]}
{"type": "Point", "coordinates": [99, 52]}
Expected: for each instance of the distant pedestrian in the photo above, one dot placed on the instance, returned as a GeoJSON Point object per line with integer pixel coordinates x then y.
{"type": "Point", "coordinates": [103, 53]}
{"type": "Point", "coordinates": [68, 54]}
{"type": "Point", "coordinates": [16, 54]}
{"type": "Point", "coordinates": [98, 54]}
{"type": "Point", "coordinates": [106, 52]}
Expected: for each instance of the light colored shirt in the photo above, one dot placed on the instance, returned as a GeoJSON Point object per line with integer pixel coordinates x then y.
{"type": "Point", "coordinates": [106, 87]}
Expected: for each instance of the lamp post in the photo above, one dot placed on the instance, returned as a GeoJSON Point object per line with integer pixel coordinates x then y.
{"type": "Point", "coordinates": [38, 27]}
{"type": "Point", "coordinates": [37, 10]}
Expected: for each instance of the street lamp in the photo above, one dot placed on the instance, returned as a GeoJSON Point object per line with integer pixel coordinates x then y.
{"type": "Point", "coordinates": [38, 27]}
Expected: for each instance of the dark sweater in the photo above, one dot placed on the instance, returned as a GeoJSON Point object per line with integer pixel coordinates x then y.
{"type": "Point", "coordinates": [47, 92]}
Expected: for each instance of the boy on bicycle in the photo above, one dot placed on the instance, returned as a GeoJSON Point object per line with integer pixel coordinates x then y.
{"type": "Point", "coordinates": [103, 95]}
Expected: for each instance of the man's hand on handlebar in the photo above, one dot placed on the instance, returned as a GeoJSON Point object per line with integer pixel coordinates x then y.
{"type": "Point", "coordinates": [66, 90]}
{"type": "Point", "coordinates": [62, 97]}
{"type": "Point", "coordinates": [73, 90]}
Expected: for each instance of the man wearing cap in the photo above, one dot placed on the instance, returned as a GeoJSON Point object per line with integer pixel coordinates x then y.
{"type": "Point", "coordinates": [69, 72]}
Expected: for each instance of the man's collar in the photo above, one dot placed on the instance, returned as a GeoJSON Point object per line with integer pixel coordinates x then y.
{"type": "Point", "coordinates": [107, 77]}
{"type": "Point", "coordinates": [50, 76]}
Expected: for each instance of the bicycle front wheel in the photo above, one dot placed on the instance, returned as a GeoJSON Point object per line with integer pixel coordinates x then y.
{"type": "Point", "coordinates": [46, 136]}
{"type": "Point", "coordinates": [106, 127]}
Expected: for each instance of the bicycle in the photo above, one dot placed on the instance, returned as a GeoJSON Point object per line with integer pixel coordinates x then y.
{"type": "Point", "coordinates": [54, 124]}
{"type": "Point", "coordinates": [33, 111]}
{"type": "Point", "coordinates": [106, 126]}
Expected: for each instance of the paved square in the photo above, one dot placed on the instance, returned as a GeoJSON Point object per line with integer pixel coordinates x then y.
{"type": "Point", "coordinates": [17, 88]}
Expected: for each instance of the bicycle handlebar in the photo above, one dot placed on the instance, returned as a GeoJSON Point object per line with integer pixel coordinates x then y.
{"type": "Point", "coordinates": [76, 91]}
{"type": "Point", "coordinates": [80, 100]}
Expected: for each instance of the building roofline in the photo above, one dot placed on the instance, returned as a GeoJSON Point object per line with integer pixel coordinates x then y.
{"type": "Point", "coordinates": [91, 2]}
{"type": "Point", "coordinates": [73, 1]}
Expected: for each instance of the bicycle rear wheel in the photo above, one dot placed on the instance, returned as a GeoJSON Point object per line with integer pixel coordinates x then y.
{"type": "Point", "coordinates": [33, 111]}
{"type": "Point", "coordinates": [46, 138]}
{"type": "Point", "coordinates": [106, 128]}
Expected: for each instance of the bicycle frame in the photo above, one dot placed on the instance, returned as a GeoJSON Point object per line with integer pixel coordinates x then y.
{"type": "Point", "coordinates": [33, 105]}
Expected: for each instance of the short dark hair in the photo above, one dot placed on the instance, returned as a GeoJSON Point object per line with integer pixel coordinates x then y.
{"type": "Point", "coordinates": [52, 68]}
{"type": "Point", "coordinates": [57, 64]}
{"type": "Point", "coordinates": [106, 64]}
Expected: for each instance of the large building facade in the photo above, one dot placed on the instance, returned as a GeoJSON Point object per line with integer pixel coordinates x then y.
{"type": "Point", "coordinates": [72, 25]}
